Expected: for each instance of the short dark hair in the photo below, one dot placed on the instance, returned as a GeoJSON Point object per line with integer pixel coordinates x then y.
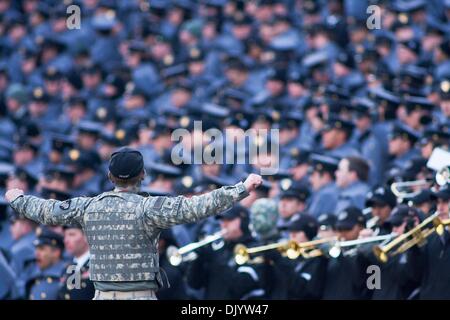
{"type": "Point", "coordinates": [123, 183]}
{"type": "Point", "coordinates": [360, 166]}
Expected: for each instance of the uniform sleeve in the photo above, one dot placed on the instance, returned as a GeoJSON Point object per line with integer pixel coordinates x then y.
{"type": "Point", "coordinates": [165, 212]}
{"type": "Point", "coordinates": [7, 284]}
{"type": "Point", "coordinates": [417, 258]}
{"type": "Point", "coordinates": [309, 282]}
{"type": "Point", "coordinates": [248, 283]}
{"type": "Point", "coordinates": [51, 212]}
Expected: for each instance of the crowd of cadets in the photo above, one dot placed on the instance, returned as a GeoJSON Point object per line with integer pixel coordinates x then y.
{"type": "Point", "coordinates": [357, 108]}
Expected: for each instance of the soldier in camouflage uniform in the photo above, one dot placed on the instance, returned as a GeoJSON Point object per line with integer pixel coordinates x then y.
{"type": "Point", "coordinates": [263, 220]}
{"type": "Point", "coordinates": [123, 227]}
{"type": "Point", "coordinates": [263, 224]}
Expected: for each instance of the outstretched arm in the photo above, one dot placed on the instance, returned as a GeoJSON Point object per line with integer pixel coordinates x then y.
{"type": "Point", "coordinates": [51, 212]}
{"type": "Point", "coordinates": [164, 212]}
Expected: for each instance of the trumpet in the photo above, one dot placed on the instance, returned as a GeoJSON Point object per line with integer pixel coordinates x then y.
{"type": "Point", "coordinates": [187, 253]}
{"type": "Point", "coordinates": [418, 236]}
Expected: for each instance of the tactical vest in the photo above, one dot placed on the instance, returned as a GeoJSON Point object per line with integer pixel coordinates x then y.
{"type": "Point", "coordinates": [121, 248]}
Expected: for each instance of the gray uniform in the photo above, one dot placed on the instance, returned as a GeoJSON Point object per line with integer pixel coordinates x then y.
{"type": "Point", "coordinates": [323, 200]}
{"type": "Point", "coordinates": [123, 228]}
{"type": "Point", "coordinates": [352, 195]}
{"type": "Point", "coordinates": [8, 278]}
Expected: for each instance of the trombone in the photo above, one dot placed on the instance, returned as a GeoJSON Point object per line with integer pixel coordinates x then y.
{"type": "Point", "coordinates": [307, 249]}
{"type": "Point", "coordinates": [336, 250]}
{"type": "Point", "coordinates": [442, 177]}
{"type": "Point", "coordinates": [242, 253]}
{"type": "Point", "coordinates": [397, 188]}
{"type": "Point", "coordinates": [292, 249]}
{"type": "Point", "coordinates": [187, 253]}
{"type": "Point", "coordinates": [418, 236]}
{"type": "Point", "coordinates": [289, 248]}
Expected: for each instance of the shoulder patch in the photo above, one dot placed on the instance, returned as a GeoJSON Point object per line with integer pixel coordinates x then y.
{"type": "Point", "coordinates": [158, 203]}
{"type": "Point", "coordinates": [65, 205]}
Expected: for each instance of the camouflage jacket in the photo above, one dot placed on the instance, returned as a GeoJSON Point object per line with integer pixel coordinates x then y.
{"type": "Point", "coordinates": [123, 227]}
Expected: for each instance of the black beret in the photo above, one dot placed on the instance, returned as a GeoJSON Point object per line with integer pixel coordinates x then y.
{"type": "Point", "coordinates": [126, 163]}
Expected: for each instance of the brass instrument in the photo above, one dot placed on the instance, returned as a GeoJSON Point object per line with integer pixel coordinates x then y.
{"type": "Point", "coordinates": [399, 189]}
{"type": "Point", "coordinates": [292, 249]}
{"type": "Point", "coordinates": [440, 225]}
{"type": "Point", "coordinates": [242, 253]}
{"type": "Point", "coordinates": [415, 236]}
{"type": "Point", "coordinates": [289, 248]}
{"type": "Point", "coordinates": [443, 176]}
{"type": "Point", "coordinates": [187, 253]}
{"type": "Point", "coordinates": [336, 250]}
{"type": "Point", "coordinates": [307, 249]}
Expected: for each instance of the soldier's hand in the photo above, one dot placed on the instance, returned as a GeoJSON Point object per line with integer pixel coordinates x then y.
{"type": "Point", "coordinates": [12, 194]}
{"type": "Point", "coordinates": [252, 182]}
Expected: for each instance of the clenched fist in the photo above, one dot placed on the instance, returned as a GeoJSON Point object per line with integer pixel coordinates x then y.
{"type": "Point", "coordinates": [12, 194]}
{"type": "Point", "coordinates": [252, 182]}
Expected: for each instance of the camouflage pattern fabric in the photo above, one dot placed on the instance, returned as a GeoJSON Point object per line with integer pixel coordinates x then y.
{"type": "Point", "coordinates": [263, 218]}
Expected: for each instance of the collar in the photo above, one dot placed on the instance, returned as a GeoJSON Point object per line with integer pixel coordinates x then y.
{"type": "Point", "coordinates": [329, 185]}
{"type": "Point", "coordinates": [133, 189]}
{"type": "Point", "coordinates": [364, 135]}
{"type": "Point", "coordinates": [54, 270]}
{"type": "Point", "coordinates": [81, 260]}
{"type": "Point", "coordinates": [354, 185]}
{"type": "Point", "coordinates": [26, 238]}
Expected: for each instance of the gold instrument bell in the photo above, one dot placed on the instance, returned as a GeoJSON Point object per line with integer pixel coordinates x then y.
{"type": "Point", "coordinates": [243, 254]}
{"type": "Point", "coordinates": [415, 236]}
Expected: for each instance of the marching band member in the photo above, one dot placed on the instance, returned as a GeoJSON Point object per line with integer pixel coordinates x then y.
{"type": "Point", "coordinates": [344, 279]}
{"type": "Point", "coordinates": [431, 262]}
